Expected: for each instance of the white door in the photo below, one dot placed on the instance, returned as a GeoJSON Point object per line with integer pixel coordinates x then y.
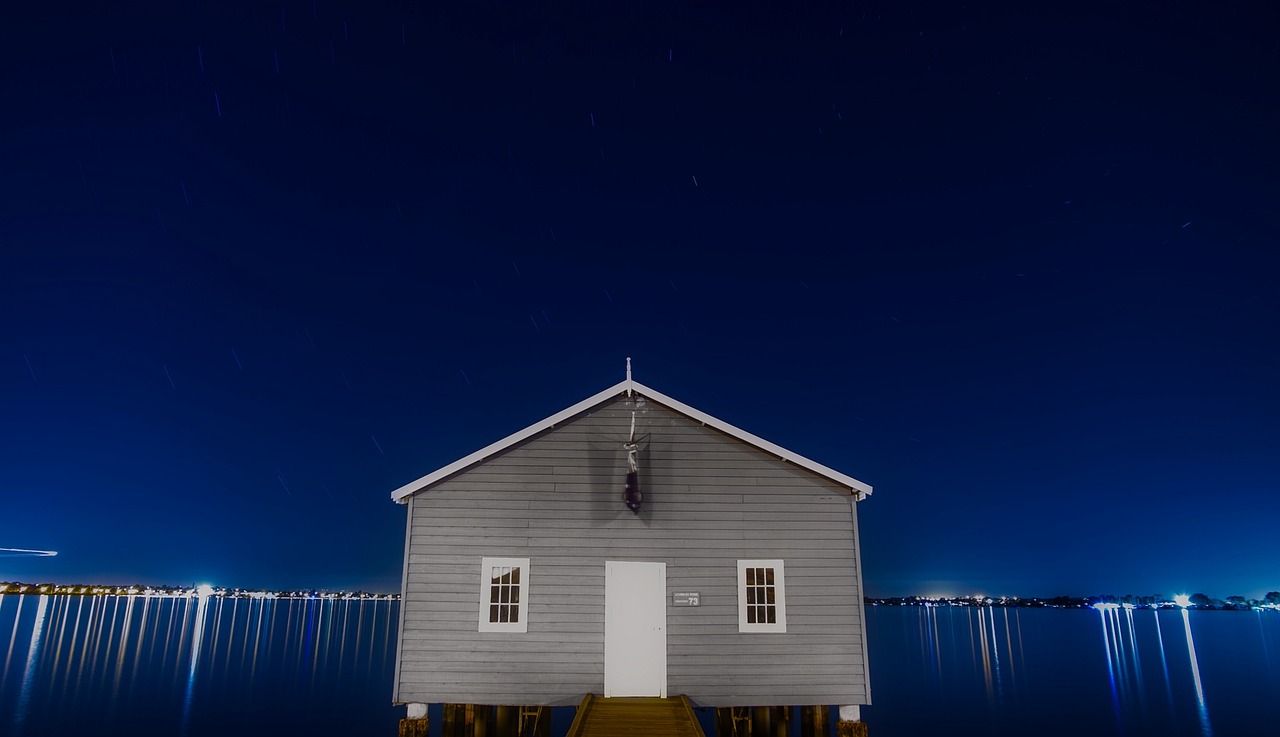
{"type": "Point", "coordinates": [635, 629]}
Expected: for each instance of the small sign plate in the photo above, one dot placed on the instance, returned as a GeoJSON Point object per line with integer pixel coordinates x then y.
{"type": "Point", "coordinates": [685, 598]}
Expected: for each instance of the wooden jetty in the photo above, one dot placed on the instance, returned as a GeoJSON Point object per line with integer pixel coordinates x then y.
{"type": "Point", "coordinates": [625, 717]}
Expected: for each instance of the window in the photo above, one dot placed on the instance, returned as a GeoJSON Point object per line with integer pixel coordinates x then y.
{"type": "Point", "coordinates": [504, 583]}
{"type": "Point", "coordinates": [762, 603]}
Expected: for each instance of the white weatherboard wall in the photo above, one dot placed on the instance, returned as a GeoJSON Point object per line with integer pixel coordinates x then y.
{"type": "Point", "coordinates": [710, 500]}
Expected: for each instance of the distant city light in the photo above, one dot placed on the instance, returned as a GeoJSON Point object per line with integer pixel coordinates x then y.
{"type": "Point", "coordinates": [1182, 600]}
{"type": "Point", "coordinates": [204, 591]}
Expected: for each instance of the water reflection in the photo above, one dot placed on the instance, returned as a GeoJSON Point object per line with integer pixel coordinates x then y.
{"type": "Point", "coordinates": [176, 660]}
{"type": "Point", "coordinates": [1164, 661]}
{"type": "Point", "coordinates": [197, 638]}
{"type": "Point", "coordinates": [28, 673]}
{"type": "Point", "coordinates": [1124, 662]}
{"type": "Point", "coordinates": [1195, 674]}
{"type": "Point", "coordinates": [994, 637]}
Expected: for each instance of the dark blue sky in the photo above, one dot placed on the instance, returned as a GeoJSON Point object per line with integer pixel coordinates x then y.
{"type": "Point", "coordinates": [1013, 264]}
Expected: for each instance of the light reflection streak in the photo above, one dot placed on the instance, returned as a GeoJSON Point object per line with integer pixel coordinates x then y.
{"type": "Point", "coordinates": [257, 636]}
{"type": "Point", "coordinates": [197, 638]}
{"type": "Point", "coordinates": [319, 619]}
{"type": "Point", "coordinates": [24, 696]}
{"type": "Point", "coordinates": [288, 626]}
{"type": "Point", "coordinates": [97, 624]}
{"type": "Point", "coordinates": [62, 609]}
{"type": "Point", "coordinates": [331, 611]}
{"type": "Point", "coordinates": [937, 659]}
{"type": "Point", "coordinates": [373, 625]}
{"type": "Point", "coordinates": [1008, 641]}
{"type": "Point", "coordinates": [276, 606]}
{"type": "Point", "coordinates": [231, 637]}
{"type": "Point", "coordinates": [1262, 633]}
{"type": "Point", "coordinates": [973, 653]}
{"type": "Point", "coordinates": [1195, 675]}
{"type": "Point", "coordinates": [342, 640]}
{"type": "Point", "coordinates": [995, 658]}
{"type": "Point", "coordinates": [17, 618]}
{"type": "Point", "coordinates": [359, 630]}
{"type": "Point", "coordinates": [1137, 662]}
{"type": "Point", "coordinates": [217, 630]}
{"type": "Point", "coordinates": [986, 653]}
{"type": "Point", "coordinates": [168, 630]}
{"type": "Point", "coordinates": [244, 647]}
{"type": "Point", "coordinates": [142, 631]}
{"type": "Point", "coordinates": [1113, 621]}
{"type": "Point", "coordinates": [1111, 673]}
{"type": "Point", "coordinates": [94, 656]}
{"type": "Point", "coordinates": [75, 636]}
{"type": "Point", "coordinates": [124, 645]}
{"type": "Point", "coordinates": [182, 634]}
{"type": "Point", "coordinates": [386, 646]}
{"type": "Point", "coordinates": [1164, 662]}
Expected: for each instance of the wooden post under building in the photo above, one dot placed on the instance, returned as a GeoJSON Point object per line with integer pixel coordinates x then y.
{"type": "Point", "coordinates": [481, 720]}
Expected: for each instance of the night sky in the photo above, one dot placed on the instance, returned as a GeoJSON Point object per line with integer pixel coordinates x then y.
{"type": "Point", "coordinates": [1014, 264]}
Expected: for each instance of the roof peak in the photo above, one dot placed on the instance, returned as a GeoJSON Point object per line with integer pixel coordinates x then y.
{"type": "Point", "coordinates": [857, 488]}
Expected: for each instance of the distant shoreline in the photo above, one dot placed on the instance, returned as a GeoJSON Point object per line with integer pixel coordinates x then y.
{"type": "Point", "coordinates": [52, 589]}
{"type": "Point", "coordinates": [1197, 601]}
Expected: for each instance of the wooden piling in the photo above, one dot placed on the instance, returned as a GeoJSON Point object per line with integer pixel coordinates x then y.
{"type": "Point", "coordinates": [780, 717]}
{"type": "Point", "coordinates": [733, 721]}
{"type": "Point", "coordinates": [851, 729]}
{"type": "Point", "coordinates": [481, 720]}
{"type": "Point", "coordinates": [761, 721]}
{"type": "Point", "coordinates": [505, 721]}
{"type": "Point", "coordinates": [453, 723]}
{"type": "Point", "coordinates": [814, 721]}
{"type": "Point", "coordinates": [535, 721]}
{"type": "Point", "coordinates": [420, 727]}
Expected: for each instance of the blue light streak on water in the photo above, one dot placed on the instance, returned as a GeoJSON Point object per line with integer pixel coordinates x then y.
{"type": "Point", "coordinates": [995, 658]}
{"type": "Point", "coordinates": [1136, 658]}
{"type": "Point", "coordinates": [1262, 636]}
{"type": "Point", "coordinates": [142, 666]}
{"type": "Point", "coordinates": [1111, 671]}
{"type": "Point", "coordinates": [197, 640]}
{"type": "Point", "coordinates": [1203, 711]}
{"type": "Point", "coordinates": [28, 674]}
{"type": "Point", "coordinates": [17, 617]}
{"type": "Point", "coordinates": [1164, 662]}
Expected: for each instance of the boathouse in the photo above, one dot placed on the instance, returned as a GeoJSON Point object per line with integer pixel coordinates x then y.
{"type": "Point", "coordinates": [632, 546]}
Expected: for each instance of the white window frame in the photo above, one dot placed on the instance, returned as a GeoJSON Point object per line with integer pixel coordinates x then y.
{"type": "Point", "coordinates": [522, 611]}
{"type": "Point", "coordinates": [779, 597]}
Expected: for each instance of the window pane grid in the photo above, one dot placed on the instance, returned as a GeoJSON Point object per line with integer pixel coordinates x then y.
{"type": "Point", "coordinates": [761, 596]}
{"type": "Point", "coordinates": [504, 594]}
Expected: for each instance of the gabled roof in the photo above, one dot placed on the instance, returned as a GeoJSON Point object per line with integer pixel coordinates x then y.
{"type": "Point", "coordinates": [856, 487]}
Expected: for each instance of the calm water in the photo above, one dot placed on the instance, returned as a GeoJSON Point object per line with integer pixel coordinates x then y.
{"type": "Point", "coordinates": [138, 666]}
{"type": "Point", "coordinates": [106, 665]}
{"type": "Point", "coordinates": [1073, 671]}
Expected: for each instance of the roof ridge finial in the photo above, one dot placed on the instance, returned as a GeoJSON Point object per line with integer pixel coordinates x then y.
{"type": "Point", "coordinates": [628, 376]}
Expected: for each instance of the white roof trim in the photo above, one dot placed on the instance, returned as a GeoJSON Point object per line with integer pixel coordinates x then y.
{"type": "Point", "coordinates": [628, 386]}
